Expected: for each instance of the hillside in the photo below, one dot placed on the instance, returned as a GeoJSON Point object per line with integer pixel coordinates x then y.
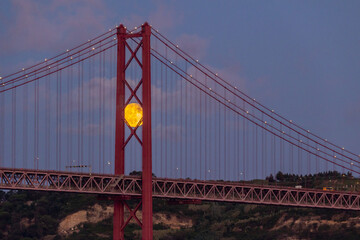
{"type": "Point", "coordinates": [29, 215]}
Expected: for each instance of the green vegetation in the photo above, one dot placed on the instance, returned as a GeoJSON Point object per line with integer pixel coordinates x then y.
{"type": "Point", "coordinates": [32, 215]}
{"type": "Point", "coordinates": [29, 215]}
{"type": "Point", "coordinates": [333, 179]}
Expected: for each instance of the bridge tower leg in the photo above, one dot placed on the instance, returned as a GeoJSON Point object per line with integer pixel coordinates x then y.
{"type": "Point", "coordinates": [120, 142]}
{"type": "Point", "coordinates": [147, 231]}
{"type": "Point", "coordinates": [118, 218]}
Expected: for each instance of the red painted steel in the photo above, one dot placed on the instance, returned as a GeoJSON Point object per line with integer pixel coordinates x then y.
{"type": "Point", "coordinates": [180, 189]}
{"type": "Point", "coordinates": [147, 228]}
{"type": "Point", "coordinates": [118, 218]}
{"type": "Point", "coordinates": [132, 215]}
{"type": "Point", "coordinates": [145, 142]}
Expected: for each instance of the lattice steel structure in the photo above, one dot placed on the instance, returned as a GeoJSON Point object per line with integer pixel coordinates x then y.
{"type": "Point", "coordinates": [125, 187]}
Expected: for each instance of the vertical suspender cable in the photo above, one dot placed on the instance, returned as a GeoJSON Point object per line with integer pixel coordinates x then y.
{"type": "Point", "coordinates": [99, 104]}
{"type": "Point", "coordinates": [13, 128]}
{"type": "Point", "coordinates": [103, 110]}
{"type": "Point", "coordinates": [81, 97]}
{"type": "Point", "coordinates": [162, 122]}
{"type": "Point", "coordinates": [57, 122]}
{"type": "Point", "coordinates": [25, 125]}
{"type": "Point", "coordinates": [205, 135]}
{"type": "Point", "coordinates": [36, 131]}
{"type": "Point", "coordinates": [225, 143]}
{"type": "Point", "coordinates": [68, 125]}
{"type": "Point", "coordinates": [47, 123]}
{"type": "Point", "coordinates": [2, 129]}
{"type": "Point", "coordinates": [244, 146]}
{"type": "Point", "coordinates": [200, 133]}
{"type": "Point", "coordinates": [219, 142]}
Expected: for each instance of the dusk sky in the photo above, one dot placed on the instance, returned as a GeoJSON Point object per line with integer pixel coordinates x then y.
{"type": "Point", "coordinates": [300, 58]}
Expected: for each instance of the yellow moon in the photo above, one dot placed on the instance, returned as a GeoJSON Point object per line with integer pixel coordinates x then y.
{"type": "Point", "coordinates": [133, 113]}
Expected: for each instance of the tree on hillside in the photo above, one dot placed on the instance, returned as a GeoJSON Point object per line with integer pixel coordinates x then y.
{"type": "Point", "coordinates": [280, 176]}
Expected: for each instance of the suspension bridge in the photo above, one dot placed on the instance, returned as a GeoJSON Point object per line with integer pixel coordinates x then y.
{"type": "Point", "coordinates": [200, 138]}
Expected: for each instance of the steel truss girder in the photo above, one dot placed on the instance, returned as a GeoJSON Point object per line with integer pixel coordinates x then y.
{"type": "Point", "coordinates": [177, 189]}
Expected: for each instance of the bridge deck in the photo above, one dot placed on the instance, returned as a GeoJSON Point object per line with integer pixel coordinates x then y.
{"type": "Point", "coordinates": [176, 189]}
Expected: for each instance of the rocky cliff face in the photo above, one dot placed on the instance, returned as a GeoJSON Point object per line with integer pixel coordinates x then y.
{"type": "Point", "coordinates": [313, 223]}
{"type": "Point", "coordinates": [72, 223]}
{"type": "Point", "coordinates": [95, 214]}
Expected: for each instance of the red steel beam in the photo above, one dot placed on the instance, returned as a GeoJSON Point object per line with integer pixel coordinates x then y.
{"type": "Point", "coordinates": [147, 224]}
{"type": "Point", "coordinates": [180, 189]}
{"type": "Point", "coordinates": [118, 218]}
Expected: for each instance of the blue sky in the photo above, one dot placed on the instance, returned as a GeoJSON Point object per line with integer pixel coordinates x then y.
{"type": "Point", "coordinates": [300, 58]}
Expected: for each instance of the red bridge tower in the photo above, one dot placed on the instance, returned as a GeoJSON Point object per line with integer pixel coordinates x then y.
{"type": "Point", "coordinates": [120, 141]}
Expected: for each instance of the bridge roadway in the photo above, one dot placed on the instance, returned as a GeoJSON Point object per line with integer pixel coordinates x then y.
{"type": "Point", "coordinates": [181, 189]}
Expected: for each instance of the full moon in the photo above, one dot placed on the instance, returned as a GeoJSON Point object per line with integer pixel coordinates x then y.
{"type": "Point", "coordinates": [133, 114]}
